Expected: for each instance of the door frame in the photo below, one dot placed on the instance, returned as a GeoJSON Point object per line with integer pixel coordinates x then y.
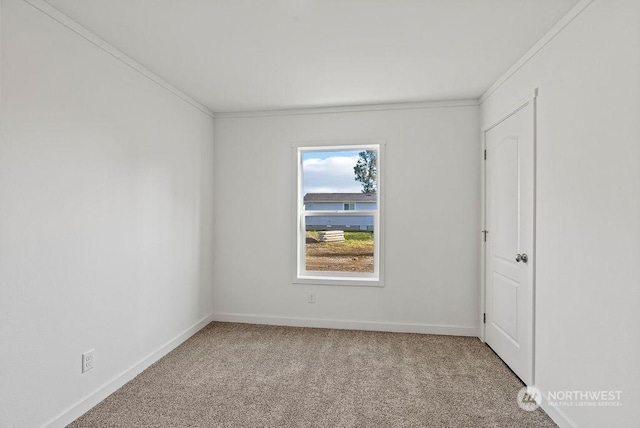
{"type": "Point", "coordinates": [531, 99]}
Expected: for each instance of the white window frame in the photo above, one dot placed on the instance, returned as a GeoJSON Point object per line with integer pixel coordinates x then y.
{"type": "Point", "coordinates": [348, 206]}
{"type": "Point", "coordinates": [300, 274]}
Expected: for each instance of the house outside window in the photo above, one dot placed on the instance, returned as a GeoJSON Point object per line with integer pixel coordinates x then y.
{"type": "Point", "coordinates": [338, 214]}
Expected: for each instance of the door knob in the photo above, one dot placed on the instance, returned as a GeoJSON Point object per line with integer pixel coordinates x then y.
{"type": "Point", "coordinates": [522, 258]}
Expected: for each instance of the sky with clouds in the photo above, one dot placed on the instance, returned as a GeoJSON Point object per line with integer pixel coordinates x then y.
{"type": "Point", "coordinates": [329, 172]}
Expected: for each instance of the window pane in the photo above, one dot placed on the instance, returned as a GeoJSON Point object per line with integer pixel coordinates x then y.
{"type": "Point", "coordinates": [338, 212]}
{"type": "Point", "coordinates": [339, 243]}
{"type": "Point", "coordinates": [327, 173]}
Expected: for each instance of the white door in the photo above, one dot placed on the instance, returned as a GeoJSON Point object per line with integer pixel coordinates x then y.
{"type": "Point", "coordinates": [509, 251]}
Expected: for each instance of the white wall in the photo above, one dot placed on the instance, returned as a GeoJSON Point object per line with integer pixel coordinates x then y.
{"type": "Point", "coordinates": [432, 221]}
{"type": "Point", "coordinates": [105, 217]}
{"type": "Point", "coordinates": [588, 224]}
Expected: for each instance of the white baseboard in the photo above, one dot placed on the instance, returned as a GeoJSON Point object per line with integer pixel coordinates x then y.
{"type": "Point", "coordinates": [85, 404]}
{"type": "Point", "coordinates": [554, 412]}
{"type": "Point", "coordinates": [348, 324]}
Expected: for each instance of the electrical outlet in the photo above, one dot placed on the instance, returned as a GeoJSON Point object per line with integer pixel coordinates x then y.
{"type": "Point", "coordinates": [87, 361]}
{"type": "Point", "coordinates": [311, 297]}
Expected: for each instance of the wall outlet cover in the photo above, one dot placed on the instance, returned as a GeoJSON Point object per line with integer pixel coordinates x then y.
{"type": "Point", "coordinates": [87, 361]}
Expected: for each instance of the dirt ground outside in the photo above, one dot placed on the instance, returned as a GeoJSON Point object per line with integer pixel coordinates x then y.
{"type": "Point", "coordinates": [355, 254]}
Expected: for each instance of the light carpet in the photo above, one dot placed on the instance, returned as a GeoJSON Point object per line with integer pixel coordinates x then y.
{"type": "Point", "coordinates": [244, 375]}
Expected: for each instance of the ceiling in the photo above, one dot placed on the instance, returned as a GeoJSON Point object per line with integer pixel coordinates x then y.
{"type": "Point", "coordinates": [242, 55]}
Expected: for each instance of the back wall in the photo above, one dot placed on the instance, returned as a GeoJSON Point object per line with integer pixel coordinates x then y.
{"type": "Point", "coordinates": [432, 168]}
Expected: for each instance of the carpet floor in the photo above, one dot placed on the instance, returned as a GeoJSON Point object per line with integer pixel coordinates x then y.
{"type": "Point", "coordinates": [243, 375]}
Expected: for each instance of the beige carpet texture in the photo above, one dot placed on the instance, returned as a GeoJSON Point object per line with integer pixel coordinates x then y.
{"type": "Point", "coordinates": [244, 375]}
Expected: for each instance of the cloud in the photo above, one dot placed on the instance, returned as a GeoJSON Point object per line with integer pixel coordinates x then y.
{"type": "Point", "coordinates": [330, 175]}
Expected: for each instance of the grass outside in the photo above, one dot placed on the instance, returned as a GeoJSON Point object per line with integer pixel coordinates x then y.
{"type": "Point", "coordinates": [354, 254]}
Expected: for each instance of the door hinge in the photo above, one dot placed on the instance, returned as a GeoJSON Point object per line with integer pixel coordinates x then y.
{"type": "Point", "coordinates": [484, 318]}
{"type": "Point", "coordinates": [484, 233]}
{"type": "Point", "coordinates": [485, 155]}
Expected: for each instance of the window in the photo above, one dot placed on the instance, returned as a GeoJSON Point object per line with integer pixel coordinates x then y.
{"type": "Point", "coordinates": [338, 199]}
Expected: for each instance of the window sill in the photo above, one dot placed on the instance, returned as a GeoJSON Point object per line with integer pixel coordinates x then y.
{"type": "Point", "coordinates": [342, 280]}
